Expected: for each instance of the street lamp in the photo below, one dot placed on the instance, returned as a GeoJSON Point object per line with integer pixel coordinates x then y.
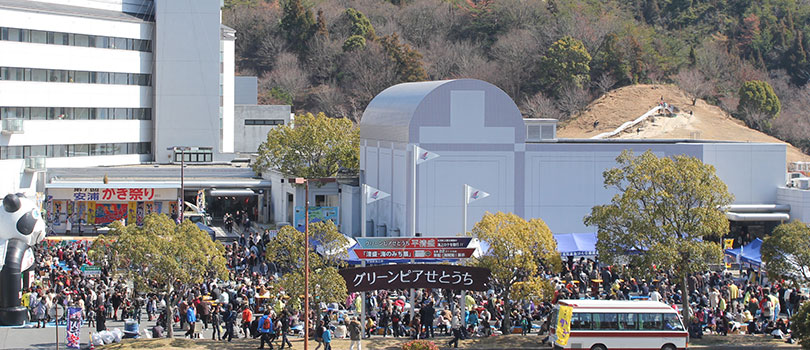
{"type": "Point", "coordinates": [305, 182]}
{"type": "Point", "coordinates": [182, 200]}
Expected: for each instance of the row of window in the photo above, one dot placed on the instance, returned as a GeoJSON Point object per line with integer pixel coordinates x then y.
{"type": "Point", "coordinates": [73, 76]}
{"type": "Point", "coordinates": [70, 113]}
{"type": "Point", "coordinates": [70, 39]}
{"type": "Point", "coordinates": [57, 151]}
{"type": "Point", "coordinates": [638, 322]}
{"type": "Point", "coordinates": [202, 155]}
{"type": "Point", "coordinates": [264, 122]}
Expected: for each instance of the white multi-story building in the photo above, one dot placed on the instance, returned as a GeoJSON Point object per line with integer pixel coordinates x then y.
{"type": "Point", "coordinates": [88, 83]}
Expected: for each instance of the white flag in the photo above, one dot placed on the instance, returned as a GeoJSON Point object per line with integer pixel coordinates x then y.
{"type": "Point", "coordinates": [474, 194]}
{"type": "Point", "coordinates": [373, 194]}
{"type": "Point", "coordinates": [423, 156]}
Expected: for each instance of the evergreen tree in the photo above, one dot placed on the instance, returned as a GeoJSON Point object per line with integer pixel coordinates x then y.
{"type": "Point", "coordinates": [298, 23]}
{"type": "Point", "coordinates": [322, 31]}
{"type": "Point", "coordinates": [567, 62]}
{"type": "Point", "coordinates": [796, 61]}
{"type": "Point", "coordinates": [610, 59]}
{"type": "Point", "coordinates": [407, 59]}
{"type": "Point", "coordinates": [360, 25]}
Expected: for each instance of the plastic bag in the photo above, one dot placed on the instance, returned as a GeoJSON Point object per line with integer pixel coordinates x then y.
{"type": "Point", "coordinates": [95, 338]}
{"type": "Point", "coordinates": [107, 337]}
{"type": "Point", "coordinates": [117, 335]}
{"type": "Point", "coordinates": [146, 334]}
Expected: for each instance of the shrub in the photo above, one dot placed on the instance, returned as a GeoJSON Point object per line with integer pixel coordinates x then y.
{"type": "Point", "coordinates": [800, 325]}
{"type": "Point", "coordinates": [420, 345]}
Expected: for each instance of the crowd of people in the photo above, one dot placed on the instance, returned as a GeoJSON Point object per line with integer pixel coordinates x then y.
{"type": "Point", "coordinates": [248, 306]}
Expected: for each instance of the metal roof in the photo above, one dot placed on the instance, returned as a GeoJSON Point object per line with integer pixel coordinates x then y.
{"type": "Point", "coordinates": [388, 116]}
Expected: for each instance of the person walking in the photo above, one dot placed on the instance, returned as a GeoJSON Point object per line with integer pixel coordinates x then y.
{"type": "Point", "coordinates": [40, 309]}
{"type": "Point", "coordinates": [191, 317]}
{"type": "Point", "coordinates": [355, 332]}
{"type": "Point", "coordinates": [265, 329]}
{"type": "Point", "coordinates": [247, 318]}
{"type": "Point", "coordinates": [215, 321]}
{"type": "Point", "coordinates": [285, 328]}
{"type": "Point", "coordinates": [230, 318]}
{"type": "Point", "coordinates": [327, 338]}
{"type": "Point", "coordinates": [455, 324]}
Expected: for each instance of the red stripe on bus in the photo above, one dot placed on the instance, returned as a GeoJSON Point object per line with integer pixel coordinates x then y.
{"type": "Point", "coordinates": [616, 349]}
{"type": "Point", "coordinates": [618, 334]}
{"type": "Point", "coordinates": [623, 308]}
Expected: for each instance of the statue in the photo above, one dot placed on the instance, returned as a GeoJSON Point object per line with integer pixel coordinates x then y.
{"type": "Point", "coordinates": [21, 228]}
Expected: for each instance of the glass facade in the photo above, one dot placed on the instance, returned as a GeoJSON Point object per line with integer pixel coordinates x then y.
{"type": "Point", "coordinates": [71, 39]}
{"type": "Point", "coordinates": [58, 151]}
{"type": "Point", "coordinates": [72, 76]}
{"type": "Point", "coordinates": [70, 113]}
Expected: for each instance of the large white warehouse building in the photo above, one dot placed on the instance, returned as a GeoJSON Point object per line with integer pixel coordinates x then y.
{"type": "Point", "coordinates": [482, 141]}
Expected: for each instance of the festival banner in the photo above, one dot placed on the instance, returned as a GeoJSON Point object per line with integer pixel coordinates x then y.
{"type": "Point", "coordinates": [158, 207]}
{"type": "Point", "coordinates": [90, 214]}
{"type": "Point", "coordinates": [728, 243]}
{"type": "Point", "coordinates": [150, 207]}
{"type": "Point", "coordinates": [132, 215]}
{"type": "Point", "coordinates": [140, 214]}
{"type": "Point", "coordinates": [564, 324]}
{"type": "Point", "coordinates": [404, 276]}
{"type": "Point", "coordinates": [106, 213]}
{"type": "Point", "coordinates": [74, 326]}
{"type": "Point", "coordinates": [172, 208]}
{"type": "Point", "coordinates": [57, 213]}
{"type": "Point", "coordinates": [70, 212]}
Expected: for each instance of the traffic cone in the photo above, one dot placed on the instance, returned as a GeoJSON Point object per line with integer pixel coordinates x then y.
{"type": "Point", "coordinates": [91, 341]}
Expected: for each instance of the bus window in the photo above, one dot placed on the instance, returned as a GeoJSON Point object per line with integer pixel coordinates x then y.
{"type": "Point", "coordinates": [628, 321]}
{"type": "Point", "coordinates": [605, 321]}
{"type": "Point", "coordinates": [672, 322]}
{"type": "Point", "coordinates": [580, 321]}
{"type": "Point", "coordinates": [650, 322]}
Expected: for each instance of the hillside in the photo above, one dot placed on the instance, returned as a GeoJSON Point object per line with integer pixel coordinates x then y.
{"type": "Point", "coordinates": [708, 122]}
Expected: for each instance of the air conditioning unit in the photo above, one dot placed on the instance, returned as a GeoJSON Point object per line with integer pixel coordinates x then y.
{"type": "Point", "coordinates": [12, 126]}
{"type": "Point", "coordinates": [540, 129]}
{"type": "Point", "coordinates": [381, 231]}
{"type": "Point", "coordinates": [35, 163]}
{"type": "Point", "coordinates": [801, 183]}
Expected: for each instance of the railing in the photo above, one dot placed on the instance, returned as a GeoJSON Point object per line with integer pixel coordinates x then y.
{"type": "Point", "coordinates": [12, 126]}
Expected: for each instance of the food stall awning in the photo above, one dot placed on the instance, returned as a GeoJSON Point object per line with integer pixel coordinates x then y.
{"type": "Point", "coordinates": [232, 192]}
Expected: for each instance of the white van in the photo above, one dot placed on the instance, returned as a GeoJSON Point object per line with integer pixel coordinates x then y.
{"type": "Point", "coordinates": [618, 324]}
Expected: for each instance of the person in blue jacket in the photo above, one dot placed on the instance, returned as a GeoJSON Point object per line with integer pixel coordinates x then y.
{"type": "Point", "coordinates": [265, 328]}
{"type": "Point", "coordinates": [327, 338]}
{"type": "Point", "coordinates": [191, 317]}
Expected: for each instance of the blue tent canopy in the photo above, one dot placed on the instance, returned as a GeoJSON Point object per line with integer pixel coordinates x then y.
{"type": "Point", "coordinates": [576, 244]}
{"type": "Point", "coordinates": [750, 253]}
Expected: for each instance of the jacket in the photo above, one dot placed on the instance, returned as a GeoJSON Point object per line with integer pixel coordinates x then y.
{"type": "Point", "coordinates": [354, 330]}
{"type": "Point", "coordinates": [191, 316]}
{"type": "Point", "coordinates": [260, 326]}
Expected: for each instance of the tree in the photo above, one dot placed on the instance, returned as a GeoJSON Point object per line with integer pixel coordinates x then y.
{"type": "Point", "coordinates": [354, 42]}
{"type": "Point", "coordinates": [516, 250]}
{"type": "Point", "coordinates": [360, 25]}
{"type": "Point", "coordinates": [316, 146]}
{"type": "Point", "coordinates": [298, 23]}
{"type": "Point", "coordinates": [540, 106]}
{"type": "Point", "coordinates": [287, 251]}
{"type": "Point", "coordinates": [566, 62]}
{"type": "Point", "coordinates": [668, 208]}
{"type": "Point", "coordinates": [800, 325]}
{"type": "Point", "coordinates": [693, 82]}
{"type": "Point", "coordinates": [785, 252]}
{"type": "Point", "coordinates": [610, 61]}
{"type": "Point", "coordinates": [408, 60]}
{"type": "Point", "coordinates": [161, 255]}
{"type": "Point", "coordinates": [758, 103]}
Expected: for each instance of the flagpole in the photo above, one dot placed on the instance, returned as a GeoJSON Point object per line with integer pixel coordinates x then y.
{"type": "Point", "coordinates": [414, 156]}
{"type": "Point", "coordinates": [363, 205]}
{"type": "Point", "coordinates": [464, 226]}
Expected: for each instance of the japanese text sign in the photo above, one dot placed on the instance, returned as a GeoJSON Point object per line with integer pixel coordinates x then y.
{"type": "Point", "coordinates": [404, 276]}
{"type": "Point", "coordinates": [413, 243]}
{"type": "Point", "coordinates": [437, 253]}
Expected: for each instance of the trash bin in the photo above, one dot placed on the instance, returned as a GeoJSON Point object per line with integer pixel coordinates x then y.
{"type": "Point", "coordinates": [131, 329]}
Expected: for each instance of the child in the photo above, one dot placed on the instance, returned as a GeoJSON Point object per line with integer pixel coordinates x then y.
{"type": "Point", "coordinates": [525, 324]}
{"type": "Point", "coordinates": [327, 338]}
{"type": "Point", "coordinates": [91, 318]}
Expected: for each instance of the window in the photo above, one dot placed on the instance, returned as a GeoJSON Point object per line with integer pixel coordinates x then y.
{"type": "Point", "coordinates": [672, 322]}
{"type": "Point", "coordinates": [81, 77]}
{"type": "Point", "coordinates": [39, 37]}
{"type": "Point", "coordinates": [13, 152]}
{"type": "Point", "coordinates": [120, 78]}
{"type": "Point", "coordinates": [103, 114]}
{"type": "Point", "coordinates": [119, 43]}
{"type": "Point", "coordinates": [628, 321]}
{"type": "Point", "coordinates": [39, 113]}
{"type": "Point", "coordinates": [102, 42]}
{"type": "Point", "coordinates": [580, 321]}
{"type": "Point", "coordinates": [651, 322]}
{"type": "Point", "coordinates": [58, 151]}
{"type": "Point", "coordinates": [81, 113]}
{"type": "Point", "coordinates": [58, 38]}
{"type": "Point", "coordinates": [120, 113]}
{"type": "Point", "coordinates": [82, 40]}
{"type": "Point", "coordinates": [605, 321]}
{"type": "Point", "coordinates": [264, 122]}
{"type": "Point", "coordinates": [79, 150]}
{"type": "Point", "coordinates": [102, 78]}
{"type": "Point", "coordinates": [39, 75]}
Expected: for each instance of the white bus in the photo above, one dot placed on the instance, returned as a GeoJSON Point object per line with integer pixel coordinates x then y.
{"type": "Point", "coordinates": [615, 324]}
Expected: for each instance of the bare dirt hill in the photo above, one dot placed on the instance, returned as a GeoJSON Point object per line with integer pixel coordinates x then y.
{"type": "Point", "coordinates": [707, 122]}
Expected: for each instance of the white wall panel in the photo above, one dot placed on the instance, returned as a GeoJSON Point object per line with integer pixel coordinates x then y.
{"type": "Point", "coordinates": [47, 94]}
{"type": "Point", "coordinates": [65, 132]}
{"type": "Point", "coordinates": [30, 55]}
{"type": "Point", "coordinates": [75, 24]}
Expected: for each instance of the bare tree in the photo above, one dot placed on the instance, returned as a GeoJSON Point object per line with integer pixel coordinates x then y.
{"type": "Point", "coordinates": [423, 20]}
{"type": "Point", "coordinates": [693, 82]}
{"type": "Point", "coordinates": [515, 54]}
{"type": "Point", "coordinates": [323, 59]}
{"type": "Point", "coordinates": [572, 100]}
{"type": "Point", "coordinates": [445, 59]}
{"type": "Point", "coordinates": [605, 82]}
{"type": "Point", "coordinates": [287, 75]}
{"type": "Point", "coordinates": [540, 106]}
{"type": "Point", "coordinates": [329, 99]}
{"type": "Point", "coordinates": [368, 72]}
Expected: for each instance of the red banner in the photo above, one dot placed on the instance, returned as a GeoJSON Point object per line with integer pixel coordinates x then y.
{"type": "Point", "coordinates": [437, 253]}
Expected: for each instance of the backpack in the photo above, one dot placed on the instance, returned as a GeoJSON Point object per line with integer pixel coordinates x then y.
{"type": "Point", "coordinates": [267, 324]}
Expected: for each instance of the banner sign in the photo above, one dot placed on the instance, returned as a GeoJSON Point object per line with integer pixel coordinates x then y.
{"type": "Point", "coordinates": [564, 325]}
{"type": "Point", "coordinates": [90, 270]}
{"type": "Point", "coordinates": [316, 214]}
{"type": "Point", "coordinates": [413, 243]}
{"type": "Point", "coordinates": [74, 325]}
{"type": "Point", "coordinates": [107, 213]}
{"type": "Point", "coordinates": [728, 243]}
{"type": "Point", "coordinates": [135, 194]}
{"type": "Point", "coordinates": [435, 253]}
{"type": "Point", "coordinates": [405, 276]}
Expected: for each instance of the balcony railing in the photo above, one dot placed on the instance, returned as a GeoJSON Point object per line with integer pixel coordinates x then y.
{"type": "Point", "coordinates": [12, 126]}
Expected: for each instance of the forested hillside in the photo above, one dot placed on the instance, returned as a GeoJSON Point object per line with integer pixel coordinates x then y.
{"type": "Point", "coordinates": [553, 57]}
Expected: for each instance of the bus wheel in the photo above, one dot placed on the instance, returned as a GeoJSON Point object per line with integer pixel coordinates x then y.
{"type": "Point", "coordinates": [598, 347]}
{"type": "Point", "coordinates": [669, 347]}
